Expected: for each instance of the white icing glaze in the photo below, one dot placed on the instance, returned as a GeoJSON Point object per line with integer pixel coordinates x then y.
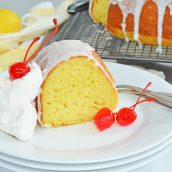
{"type": "Point", "coordinates": [18, 116]}
{"type": "Point", "coordinates": [161, 5]}
{"type": "Point", "coordinates": [64, 50]}
{"type": "Point", "coordinates": [60, 51]}
{"type": "Point", "coordinates": [137, 11]}
{"type": "Point", "coordinates": [125, 12]}
{"type": "Point", "coordinates": [134, 7]}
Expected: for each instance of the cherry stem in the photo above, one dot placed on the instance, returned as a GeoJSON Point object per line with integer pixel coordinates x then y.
{"type": "Point", "coordinates": [45, 41]}
{"type": "Point", "coordinates": [143, 91]}
{"type": "Point", "coordinates": [34, 40]}
{"type": "Point", "coordinates": [150, 99]}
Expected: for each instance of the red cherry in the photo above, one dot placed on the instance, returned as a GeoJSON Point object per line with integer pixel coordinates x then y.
{"type": "Point", "coordinates": [18, 70]}
{"type": "Point", "coordinates": [104, 119]}
{"type": "Point", "coordinates": [126, 116]}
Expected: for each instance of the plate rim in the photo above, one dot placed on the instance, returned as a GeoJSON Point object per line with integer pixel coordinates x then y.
{"type": "Point", "coordinates": [110, 63]}
{"type": "Point", "coordinates": [157, 149]}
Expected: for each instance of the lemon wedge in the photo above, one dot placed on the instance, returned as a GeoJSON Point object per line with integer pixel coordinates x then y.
{"type": "Point", "coordinates": [9, 21]}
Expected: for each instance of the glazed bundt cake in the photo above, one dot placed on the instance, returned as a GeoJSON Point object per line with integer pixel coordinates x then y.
{"type": "Point", "coordinates": [76, 84]}
{"type": "Point", "coordinates": [144, 21]}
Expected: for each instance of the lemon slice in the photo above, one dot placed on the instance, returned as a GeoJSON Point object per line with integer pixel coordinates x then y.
{"type": "Point", "coordinates": [9, 21]}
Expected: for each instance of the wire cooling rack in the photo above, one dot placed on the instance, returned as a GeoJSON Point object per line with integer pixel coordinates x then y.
{"type": "Point", "coordinates": [81, 27]}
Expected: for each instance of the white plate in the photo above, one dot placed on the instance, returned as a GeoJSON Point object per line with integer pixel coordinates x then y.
{"type": "Point", "coordinates": [81, 167]}
{"type": "Point", "coordinates": [123, 168]}
{"type": "Point", "coordinates": [85, 144]}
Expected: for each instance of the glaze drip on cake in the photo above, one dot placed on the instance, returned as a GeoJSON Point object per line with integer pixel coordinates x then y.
{"type": "Point", "coordinates": [161, 4]}
{"type": "Point", "coordinates": [134, 7]}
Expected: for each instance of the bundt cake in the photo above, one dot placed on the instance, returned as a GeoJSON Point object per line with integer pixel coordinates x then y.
{"type": "Point", "coordinates": [144, 21]}
{"type": "Point", "coordinates": [76, 84]}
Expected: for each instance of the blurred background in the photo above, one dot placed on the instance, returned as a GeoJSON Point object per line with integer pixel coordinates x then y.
{"type": "Point", "coordinates": [21, 7]}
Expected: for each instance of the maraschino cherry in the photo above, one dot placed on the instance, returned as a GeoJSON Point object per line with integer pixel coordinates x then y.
{"type": "Point", "coordinates": [125, 116]}
{"type": "Point", "coordinates": [104, 118]}
{"type": "Point", "coordinates": [20, 69]}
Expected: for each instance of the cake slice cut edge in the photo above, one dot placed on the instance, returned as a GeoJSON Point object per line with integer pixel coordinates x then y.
{"type": "Point", "coordinates": [77, 84]}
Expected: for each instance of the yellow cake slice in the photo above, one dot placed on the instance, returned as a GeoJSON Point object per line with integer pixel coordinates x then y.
{"type": "Point", "coordinates": [76, 84]}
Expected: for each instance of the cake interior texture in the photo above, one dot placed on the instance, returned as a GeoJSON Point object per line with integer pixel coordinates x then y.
{"type": "Point", "coordinates": [74, 91]}
{"type": "Point", "coordinates": [99, 11]}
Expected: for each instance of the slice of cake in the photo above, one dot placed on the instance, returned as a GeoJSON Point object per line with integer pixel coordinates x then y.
{"type": "Point", "coordinates": [76, 84]}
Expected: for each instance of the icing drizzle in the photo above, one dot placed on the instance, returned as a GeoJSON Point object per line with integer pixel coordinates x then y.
{"type": "Point", "coordinates": [135, 7]}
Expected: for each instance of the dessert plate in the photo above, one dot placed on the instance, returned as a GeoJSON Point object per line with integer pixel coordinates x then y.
{"type": "Point", "coordinates": [123, 168]}
{"type": "Point", "coordinates": [82, 167]}
{"type": "Point", "coordinates": [85, 144]}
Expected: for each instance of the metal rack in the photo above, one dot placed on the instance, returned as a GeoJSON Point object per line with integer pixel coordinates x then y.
{"type": "Point", "coordinates": [80, 26]}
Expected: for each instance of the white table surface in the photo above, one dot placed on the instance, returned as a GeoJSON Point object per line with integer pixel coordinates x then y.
{"type": "Point", "coordinates": [162, 164]}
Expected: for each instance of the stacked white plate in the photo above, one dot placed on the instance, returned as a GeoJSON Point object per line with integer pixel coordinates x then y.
{"type": "Point", "coordinates": [84, 148]}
